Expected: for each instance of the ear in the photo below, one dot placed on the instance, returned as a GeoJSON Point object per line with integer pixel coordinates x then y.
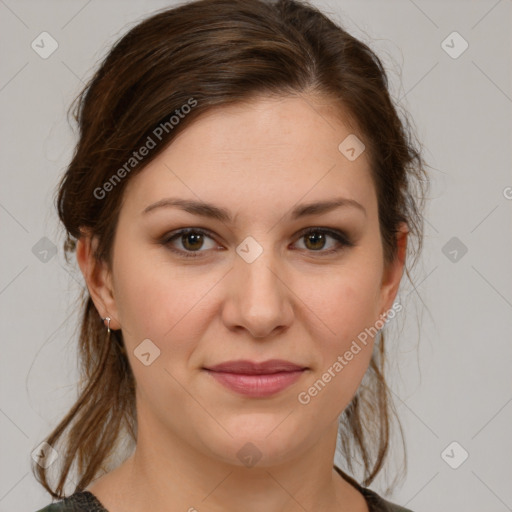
{"type": "Point", "coordinates": [98, 279]}
{"type": "Point", "coordinates": [393, 272]}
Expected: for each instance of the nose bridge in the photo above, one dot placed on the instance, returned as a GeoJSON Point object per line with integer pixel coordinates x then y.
{"type": "Point", "coordinates": [258, 268]}
{"type": "Point", "coordinates": [260, 297]}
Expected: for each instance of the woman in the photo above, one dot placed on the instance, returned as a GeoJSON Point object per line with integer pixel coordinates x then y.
{"type": "Point", "coordinates": [241, 201]}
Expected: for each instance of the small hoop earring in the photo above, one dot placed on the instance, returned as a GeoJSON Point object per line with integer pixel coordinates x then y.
{"type": "Point", "coordinates": [107, 318]}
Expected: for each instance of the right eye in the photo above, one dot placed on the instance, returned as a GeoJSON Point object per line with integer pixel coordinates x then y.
{"type": "Point", "coordinates": [191, 239]}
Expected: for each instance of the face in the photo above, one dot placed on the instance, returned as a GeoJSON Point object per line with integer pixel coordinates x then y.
{"type": "Point", "coordinates": [252, 285]}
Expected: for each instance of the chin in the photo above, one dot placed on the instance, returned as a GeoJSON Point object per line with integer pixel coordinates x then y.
{"type": "Point", "coordinates": [261, 444]}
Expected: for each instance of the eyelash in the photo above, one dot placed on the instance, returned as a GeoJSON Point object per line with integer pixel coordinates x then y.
{"type": "Point", "coordinates": [342, 239]}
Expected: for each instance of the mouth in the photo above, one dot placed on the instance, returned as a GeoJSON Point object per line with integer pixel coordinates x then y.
{"type": "Point", "coordinates": [257, 380]}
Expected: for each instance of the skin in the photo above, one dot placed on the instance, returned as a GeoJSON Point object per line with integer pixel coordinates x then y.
{"type": "Point", "coordinates": [258, 160]}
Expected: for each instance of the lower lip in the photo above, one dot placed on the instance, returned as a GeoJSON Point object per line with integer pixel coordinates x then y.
{"type": "Point", "coordinates": [257, 385]}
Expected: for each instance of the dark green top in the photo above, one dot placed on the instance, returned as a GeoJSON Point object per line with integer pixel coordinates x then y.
{"type": "Point", "coordinates": [85, 501]}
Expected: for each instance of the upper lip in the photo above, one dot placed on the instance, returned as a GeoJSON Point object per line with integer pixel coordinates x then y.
{"type": "Point", "coordinates": [247, 367]}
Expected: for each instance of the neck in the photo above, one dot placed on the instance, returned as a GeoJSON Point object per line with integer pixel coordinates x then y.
{"type": "Point", "coordinates": [172, 476]}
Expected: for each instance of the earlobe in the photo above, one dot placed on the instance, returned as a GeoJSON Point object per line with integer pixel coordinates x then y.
{"type": "Point", "coordinates": [98, 279]}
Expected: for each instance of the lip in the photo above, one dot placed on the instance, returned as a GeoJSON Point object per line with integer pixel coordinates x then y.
{"type": "Point", "coordinates": [254, 379]}
{"type": "Point", "coordinates": [246, 367]}
{"type": "Point", "coordinates": [257, 386]}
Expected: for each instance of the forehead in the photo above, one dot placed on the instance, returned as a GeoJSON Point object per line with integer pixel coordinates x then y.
{"type": "Point", "coordinates": [268, 127]}
{"type": "Point", "coordinates": [270, 151]}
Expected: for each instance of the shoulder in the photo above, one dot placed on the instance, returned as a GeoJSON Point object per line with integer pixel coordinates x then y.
{"type": "Point", "coordinates": [378, 504]}
{"type": "Point", "coordinates": [375, 502]}
{"type": "Point", "coordinates": [83, 501]}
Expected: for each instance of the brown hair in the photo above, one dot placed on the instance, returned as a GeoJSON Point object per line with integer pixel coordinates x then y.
{"type": "Point", "coordinates": [205, 54]}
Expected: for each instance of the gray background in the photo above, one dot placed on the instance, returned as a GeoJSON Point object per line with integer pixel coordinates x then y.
{"type": "Point", "coordinates": [450, 361]}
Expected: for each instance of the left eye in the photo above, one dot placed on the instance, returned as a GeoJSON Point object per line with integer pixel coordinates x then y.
{"type": "Point", "coordinates": [192, 239]}
{"type": "Point", "coordinates": [316, 236]}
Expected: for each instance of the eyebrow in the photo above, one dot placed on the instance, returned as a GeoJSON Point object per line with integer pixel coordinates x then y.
{"type": "Point", "coordinates": [215, 212]}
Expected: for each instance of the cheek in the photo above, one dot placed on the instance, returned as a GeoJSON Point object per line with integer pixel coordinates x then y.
{"type": "Point", "coordinates": [345, 313]}
{"type": "Point", "coordinates": [343, 302]}
{"type": "Point", "coordinates": [343, 309]}
{"type": "Point", "coordinates": [161, 300]}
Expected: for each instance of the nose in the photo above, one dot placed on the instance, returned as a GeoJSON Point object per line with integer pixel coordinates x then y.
{"type": "Point", "coordinates": [259, 298]}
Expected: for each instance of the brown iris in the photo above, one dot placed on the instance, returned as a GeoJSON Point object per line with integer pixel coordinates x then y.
{"type": "Point", "coordinates": [195, 239]}
{"type": "Point", "coordinates": [316, 238]}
